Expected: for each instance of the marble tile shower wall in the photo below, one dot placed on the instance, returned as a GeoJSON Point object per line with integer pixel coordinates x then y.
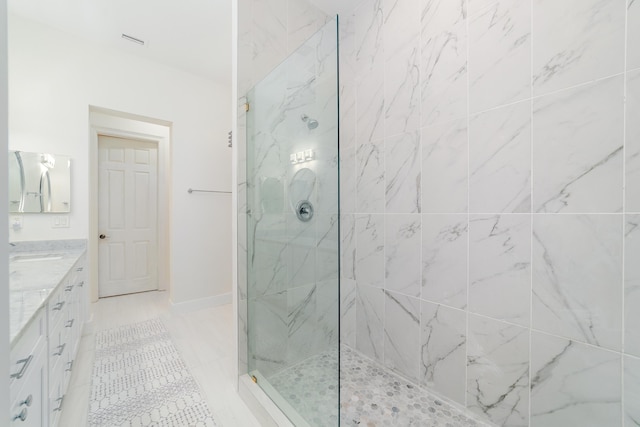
{"type": "Point", "coordinates": [293, 267]}
{"type": "Point", "coordinates": [490, 189]}
{"type": "Point", "coordinates": [268, 31]}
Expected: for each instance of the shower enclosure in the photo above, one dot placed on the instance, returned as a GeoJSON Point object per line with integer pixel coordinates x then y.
{"type": "Point", "coordinates": [293, 230]}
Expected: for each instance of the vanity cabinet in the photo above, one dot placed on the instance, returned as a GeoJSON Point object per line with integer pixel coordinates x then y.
{"type": "Point", "coordinates": [66, 310]}
{"type": "Point", "coordinates": [28, 383]}
{"type": "Point", "coordinates": [42, 358]}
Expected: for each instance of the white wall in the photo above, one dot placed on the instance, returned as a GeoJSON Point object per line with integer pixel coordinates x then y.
{"type": "Point", "coordinates": [55, 77]}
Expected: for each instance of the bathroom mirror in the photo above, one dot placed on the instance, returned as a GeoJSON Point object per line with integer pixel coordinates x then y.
{"type": "Point", "coordinates": [39, 182]}
{"type": "Point", "coordinates": [301, 186]}
{"type": "Point", "coordinates": [16, 183]}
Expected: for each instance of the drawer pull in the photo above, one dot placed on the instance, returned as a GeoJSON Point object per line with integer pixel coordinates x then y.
{"type": "Point", "coordinates": [22, 416]}
{"type": "Point", "coordinates": [59, 305]}
{"type": "Point", "coordinates": [28, 401]}
{"type": "Point", "coordinates": [79, 268]}
{"type": "Point", "coordinates": [70, 323]}
{"type": "Point", "coordinates": [81, 284]}
{"type": "Point", "coordinates": [70, 368]}
{"type": "Point", "coordinates": [61, 347]}
{"type": "Point", "coordinates": [61, 400]}
{"type": "Point", "coordinates": [25, 365]}
{"type": "Point", "coordinates": [68, 288]}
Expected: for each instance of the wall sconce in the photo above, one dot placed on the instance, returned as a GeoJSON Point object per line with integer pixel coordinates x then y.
{"type": "Point", "coordinates": [48, 160]}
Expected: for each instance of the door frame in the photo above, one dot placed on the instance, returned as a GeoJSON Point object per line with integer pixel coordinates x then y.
{"type": "Point", "coordinates": [124, 125]}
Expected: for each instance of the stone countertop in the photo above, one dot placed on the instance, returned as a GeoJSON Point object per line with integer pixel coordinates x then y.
{"type": "Point", "coordinates": [32, 280]}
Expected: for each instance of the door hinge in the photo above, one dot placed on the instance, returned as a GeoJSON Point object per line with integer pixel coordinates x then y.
{"type": "Point", "coordinates": [246, 107]}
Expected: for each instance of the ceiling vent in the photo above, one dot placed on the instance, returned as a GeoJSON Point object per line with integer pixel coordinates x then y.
{"type": "Point", "coordinates": [133, 39]}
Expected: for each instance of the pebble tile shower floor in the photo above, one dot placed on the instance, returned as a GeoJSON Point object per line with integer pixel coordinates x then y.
{"type": "Point", "coordinates": [370, 395]}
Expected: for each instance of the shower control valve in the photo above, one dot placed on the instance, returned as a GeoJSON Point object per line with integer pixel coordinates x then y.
{"type": "Point", "coordinates": [304, 211]}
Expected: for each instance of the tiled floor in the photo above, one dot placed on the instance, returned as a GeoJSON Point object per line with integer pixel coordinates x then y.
{"type": "Point", "coordinates": [204, 338]}
{"type": "Point", "coordinates": [370, 395]}
{"type": "Point", "coordinates": [311, 388]}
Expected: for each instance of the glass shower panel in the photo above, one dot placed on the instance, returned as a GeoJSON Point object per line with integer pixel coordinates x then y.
{"type": "Point", "coordinates": [292, 229]}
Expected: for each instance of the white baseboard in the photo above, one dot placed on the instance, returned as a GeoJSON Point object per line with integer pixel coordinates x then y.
{"type": "Point", "coordinates": [198, 304]}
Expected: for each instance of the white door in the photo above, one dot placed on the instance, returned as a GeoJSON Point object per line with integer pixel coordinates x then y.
{"type": "Point", "coordinates": [128, 204]}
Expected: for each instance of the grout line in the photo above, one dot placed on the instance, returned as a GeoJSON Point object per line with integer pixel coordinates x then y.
{"type": "Point", "coordinates": [631, 356]}
{"type": "Point", "coordinates": [354, 81]}
{"type": "Point", "coordinates": [540, 331]}
{"type": "Point", "coordinates": [586, 344]}
{"type": "Point", "coordinates": [419, 61]}
{"type": "Point", "coordinates": [577, 86]}
{"type": "Point", "coordinates": [624, 208]}
{"type": "Point", "coordinates": [384, 169]}
{"type": "Point", "coordinates": [555, 92]}
{"type": "Point", "coordinates": [287, 41]}
{"type": "Point", "coordinates": [384, 282]}
{"type": "Point", "coordinates": [528, 99]}
{"type": "Point", "coordinates": [466, 308]}
{"type": "Point", "coordinates": [531, 215]}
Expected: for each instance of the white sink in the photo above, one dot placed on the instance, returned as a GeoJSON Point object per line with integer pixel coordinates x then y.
{"type": "Point", "coordinates": [35, 257]}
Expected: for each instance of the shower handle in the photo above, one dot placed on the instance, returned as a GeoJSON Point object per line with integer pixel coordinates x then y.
{"type": "Point", "coordinates": [304, 211]}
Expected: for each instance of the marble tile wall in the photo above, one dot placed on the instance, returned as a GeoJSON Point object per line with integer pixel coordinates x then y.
{"type": "Point", "coordinates": [293, 265]}
{"type": "Point", "coordinates": [269, 31]}
{"type": "Point", "coordinates": [490, 203]}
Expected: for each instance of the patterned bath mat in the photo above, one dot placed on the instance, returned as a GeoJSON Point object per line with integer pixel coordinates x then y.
{"type": "Point", "coordinates": [139, 379]}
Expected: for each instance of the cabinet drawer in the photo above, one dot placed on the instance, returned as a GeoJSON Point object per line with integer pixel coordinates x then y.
{"type": "Point", "coordinates": [82, 289]}
{"type": "Point", "coordinates": [57, 307]}
{"type": "Point", "coordinates": [59, 348]}
{"type": "Point", "coordinates": [32, 342]}
{"type": "Point", "coordinates": [73, 328]}
{"type": "Point", "coordinates": [77, 274]}
{"type": "Point", "coordinates": [56, 400]}
{"type": "Point", "coordinates": [28, 406]}
{"type": "Point", "coordinates": [70, 291]}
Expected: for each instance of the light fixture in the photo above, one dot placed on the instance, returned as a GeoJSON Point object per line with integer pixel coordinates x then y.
{"type": "Point", "coordinates": [132, 39]}
{"type": "Point", "coordinates": [48, 160]}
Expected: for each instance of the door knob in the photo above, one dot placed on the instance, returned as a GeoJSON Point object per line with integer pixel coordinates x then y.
{"type": "Point", "coordinates": [102, 236]}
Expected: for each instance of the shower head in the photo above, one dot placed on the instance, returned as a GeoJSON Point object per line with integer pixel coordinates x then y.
{"type": "Point", "coordinates": [311, 123]}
